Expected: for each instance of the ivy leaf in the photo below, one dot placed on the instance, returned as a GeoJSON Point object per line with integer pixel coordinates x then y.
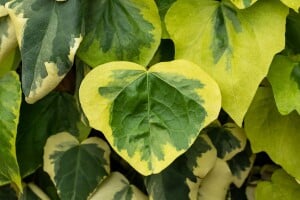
{"type": "Point", "coordinates": [47, 54]}
{"type": "Point", "coordinates": [273, 133]}
{"type": "Point", "coordinates": [150, 117]}
{"type": "Point", "coordinates": [116, 186]}
{"type": "Point", "coordinates": [216, 183]}
{"type": "Point", "coordinates": [228, 139]}
{"type": "Point", "coordinates": [281, 186]}
{"type": "Point", "coordinates": [10, 101]}
{"type": "Point", "coordinates": [9, 53]}
{"type": "Point", "coordinates": [120, 30]}
{"type": "Point", "coordinates": [181, 180]}
{"type": "Point", "coordinates": [76, 169]}
{"type": "Point", "coordinates": [163, 7]}
{"type": "Point", "coordinates": [234, 46]}
{"type": "Point", "coordinates": [284, 76]}
{"type": "Point", "coordinates": [55, 113]}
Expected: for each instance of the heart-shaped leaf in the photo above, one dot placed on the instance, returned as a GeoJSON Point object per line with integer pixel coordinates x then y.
{"type": "Point", "coordinates": [284, 76]}
{"type": "Point", "coordinates": [10, 102]}
{"type": "Point", "coordinates": [234, 46]}
{"type": "Point", "coordinates": [120, 30]}
{"type": "Point", "coordinates": [150, 117]}
{"type": "Point", "coordinates": [274, 133]}
{"type": "Point", "coordinates": [76, 169]}
{"type": "Point", "coordinates": [47, 54]}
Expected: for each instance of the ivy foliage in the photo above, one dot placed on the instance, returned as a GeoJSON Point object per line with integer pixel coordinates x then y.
{"type": "Point", "coordinates": [149, 99]}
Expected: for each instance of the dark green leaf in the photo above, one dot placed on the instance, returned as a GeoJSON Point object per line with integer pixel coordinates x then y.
{"type": "Point", "coordinates": [55, 113]}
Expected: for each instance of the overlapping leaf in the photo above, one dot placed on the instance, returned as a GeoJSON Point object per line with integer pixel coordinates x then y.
{"type": "Point", "coordinates": [216, 183]}
{"type": "Point", "coordinates": [241, 4]}
{"type": "Point", "coordinates": [55, 113]}
{"type": "Point", "coordinates": [163, 7]}
{"type": "Point", "coordinates": [281, 186]}
{"type": "Point", "coordinates": [49, 33]}
{"type": "Point", "coordinates": [9, 54]}
{"type": "Point", "coordinates": [284, 76]}
{"type": "Point", "coordinates": [182, 179]}
{"type": "Point", "coordinates": [150, 117]}
{"type": "Point", "coordinates": [273, 133]}
{"type": "Point", "coordinates": [117, 187]}
{"type": "Point", "coordinates": [292, 32]}
{"type": "Point", "coordinates": [294, 4]}
{"type": "Point", "coordinates": [10, 101]}
{"type": "Point", "coordinates": [228, 139]}
{"type": "Point", "coordinates": [241, 164]}
{"type": "Point", "coordinates": [76, 169]}
{"type": "Point", "coordinates": [234, 46]}
{"type": "Point", "coordinates": [120, 30]}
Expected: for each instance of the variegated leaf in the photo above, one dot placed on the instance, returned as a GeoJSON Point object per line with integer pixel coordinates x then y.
{"type": "Point", "coordinates": [48, 33]}
{"type": "Point", "coordinates": [76, 169]}
{"type": "Point", "coordinates": [127, 30]}
{"type": "Point", "coordinates": [228, 139]}
{"type": "Point", "coordinates": [234, 46]}
{"type": "Point", "coordinates": [117, 187]}
{"type": "Point", "coordinates": [9, 53]}
{"type": "Point", "coordinates": [182, 179]}
{"type": "Point", "coordinates": [55, 113]}
{"type": "Point", "coordinates": [150, 117]}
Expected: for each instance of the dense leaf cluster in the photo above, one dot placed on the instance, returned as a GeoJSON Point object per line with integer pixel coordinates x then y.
{"type": "Point", "coordinates": [149, 99]}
